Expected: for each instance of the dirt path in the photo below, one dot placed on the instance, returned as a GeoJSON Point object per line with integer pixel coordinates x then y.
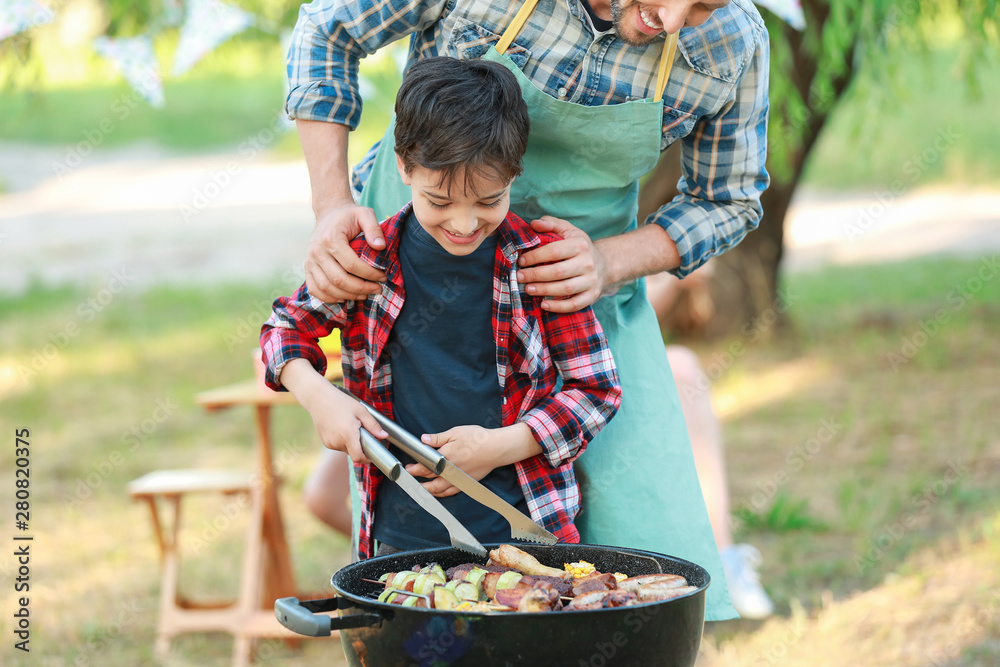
{"type": "Point", "coordinates": [154, 217]}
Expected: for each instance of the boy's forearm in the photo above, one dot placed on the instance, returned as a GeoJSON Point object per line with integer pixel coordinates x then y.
{"type": "Point", "coordinates": [515, 443]}
{"type": "Point", "coordinates": [303, 381]}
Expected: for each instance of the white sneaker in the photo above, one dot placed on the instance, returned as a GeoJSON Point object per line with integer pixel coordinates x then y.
{"type": "Point", "coordinates": [740, 563]}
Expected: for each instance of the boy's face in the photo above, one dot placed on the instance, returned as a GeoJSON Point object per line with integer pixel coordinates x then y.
{"type": "Point", "coordinates": [458, 218]}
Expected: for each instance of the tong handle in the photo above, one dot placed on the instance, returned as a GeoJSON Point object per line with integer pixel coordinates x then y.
{"type": "Point", "coordinates": [423, 454]}
{"type": "Point", "coordinates": [380, 456]}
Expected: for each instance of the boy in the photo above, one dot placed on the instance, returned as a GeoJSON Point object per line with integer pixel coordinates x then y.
{"type": "Point", "coordinates": [452, 348]}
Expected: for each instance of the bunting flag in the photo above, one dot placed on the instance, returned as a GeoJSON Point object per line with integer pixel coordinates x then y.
{"type": "Point", "coordinates": [208, 23]}
{"type": "Point", "coordinates": [790, 11]}
{"type": "Point", "coordinates": [19, 15]}
{"type": "Point", "coordinates": [134, 58]}
{"type": "Point", "coordinates": [173, 13]}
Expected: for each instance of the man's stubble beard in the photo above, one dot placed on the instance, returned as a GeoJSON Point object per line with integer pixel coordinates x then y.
{"type": "Point", "coordinates": [630, 37]}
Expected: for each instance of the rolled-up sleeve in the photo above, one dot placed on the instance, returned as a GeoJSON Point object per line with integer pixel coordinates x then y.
{"type": "Point", "coordinates": [723, 171]}
{"type": "Point", "coordinates": [293, 332]}
{"type": "Point", "coordinates": [331, 38]}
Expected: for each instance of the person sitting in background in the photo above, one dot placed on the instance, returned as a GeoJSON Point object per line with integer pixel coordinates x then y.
{"type": "Point", "coordinates": [686, 303]}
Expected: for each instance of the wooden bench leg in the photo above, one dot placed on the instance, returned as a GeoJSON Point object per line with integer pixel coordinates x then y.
{"type": "Point", "coordinates": [251, 578]}
{"type": "Point", "coordinates": [170, 576]}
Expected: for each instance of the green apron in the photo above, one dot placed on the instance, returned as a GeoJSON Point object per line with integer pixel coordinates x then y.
{"type": "Point", "coordinates": [638, 480]}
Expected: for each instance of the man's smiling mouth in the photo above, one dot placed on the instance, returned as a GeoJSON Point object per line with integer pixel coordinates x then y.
{"type": "Point", "coordinates": [649, 20]}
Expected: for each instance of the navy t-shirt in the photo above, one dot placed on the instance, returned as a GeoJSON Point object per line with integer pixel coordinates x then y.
{"type": "Point", "coordinates": [443, 358]}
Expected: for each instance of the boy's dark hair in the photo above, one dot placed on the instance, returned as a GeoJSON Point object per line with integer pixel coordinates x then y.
{"type": "Point", "coordinates": [461, 114]}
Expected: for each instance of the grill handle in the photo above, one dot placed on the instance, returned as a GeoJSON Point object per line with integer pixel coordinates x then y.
{"type": "Point", "coordinates": [302, 617]}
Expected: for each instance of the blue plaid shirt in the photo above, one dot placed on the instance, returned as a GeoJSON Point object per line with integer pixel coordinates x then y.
{"type": "Point", "coordinates": [716, 101]}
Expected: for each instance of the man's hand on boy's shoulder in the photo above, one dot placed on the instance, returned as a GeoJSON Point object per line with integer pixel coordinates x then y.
{"type": "Point", "coordinates": [568, 269]}
{"type": "Point", "coordinates": [334, 272]}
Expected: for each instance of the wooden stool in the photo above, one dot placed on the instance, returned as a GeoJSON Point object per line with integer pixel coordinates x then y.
{"type": "Point", "coordinates": [179, 615]}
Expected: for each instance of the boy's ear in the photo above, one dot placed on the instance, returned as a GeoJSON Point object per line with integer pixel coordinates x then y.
{"type": "Point", "coordinates": [402, 170]}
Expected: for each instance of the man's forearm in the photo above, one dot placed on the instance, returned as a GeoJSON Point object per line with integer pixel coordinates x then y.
{"type": "Point", "coordinates": [638, 253]}
{"type": "Point", "coordinates": [325, 147]}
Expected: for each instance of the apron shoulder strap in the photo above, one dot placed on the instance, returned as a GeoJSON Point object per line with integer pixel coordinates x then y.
{"type": "Point", "coordinates": [515, 26]}
{"type": "Point", "coordinates": [662, 71]}
{"type": "Point", "coordinates": [666, 63]}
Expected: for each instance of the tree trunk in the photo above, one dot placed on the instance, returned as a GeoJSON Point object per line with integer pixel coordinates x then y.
{"type": "Point", "coordinates": [744, 284]}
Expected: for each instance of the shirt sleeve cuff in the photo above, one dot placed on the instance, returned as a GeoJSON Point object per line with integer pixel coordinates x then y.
{"type": "Point", "coordinates": [328, 101]}
{"type": "Point", "coordinates": [277, 353]}
{"type": "Point", "coordinates": [702, 229]}
{"type": "Point", "coordinates": [557, 449]}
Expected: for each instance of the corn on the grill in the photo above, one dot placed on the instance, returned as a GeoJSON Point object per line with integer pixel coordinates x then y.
{"type": "Point", "coordinates": [580, 568]}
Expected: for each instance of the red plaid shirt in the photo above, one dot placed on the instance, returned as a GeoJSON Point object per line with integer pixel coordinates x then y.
{"type": "Point", "coordinates": [534, 348]}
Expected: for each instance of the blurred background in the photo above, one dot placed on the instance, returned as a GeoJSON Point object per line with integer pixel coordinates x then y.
{"type": "Point", "coordinates": [154, 201]}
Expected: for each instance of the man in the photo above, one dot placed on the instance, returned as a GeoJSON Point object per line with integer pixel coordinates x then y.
{"type": "Point", "coordinates": [589, 73]}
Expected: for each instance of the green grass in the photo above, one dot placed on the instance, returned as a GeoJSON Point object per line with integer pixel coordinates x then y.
{"type": "Point", "coordinates": [897, 430]}
{"type": "Point", "coordinates": [785, 514]}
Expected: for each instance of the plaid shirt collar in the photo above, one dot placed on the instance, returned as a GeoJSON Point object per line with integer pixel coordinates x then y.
{"type": "Point", "coordinates": [515, 237]}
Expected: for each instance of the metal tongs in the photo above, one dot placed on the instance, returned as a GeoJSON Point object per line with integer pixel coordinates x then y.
{"type": "Point", "coordinates": [390, 466]}
{"type": "Point", "coordinates": [521, 526]}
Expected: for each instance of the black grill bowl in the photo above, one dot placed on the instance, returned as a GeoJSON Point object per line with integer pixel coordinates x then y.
{"type": "Point", "coordinates": [374, 634]}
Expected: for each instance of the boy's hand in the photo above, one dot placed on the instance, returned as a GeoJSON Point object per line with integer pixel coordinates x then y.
{"type": "Point", "coordinates": [477, 451]}
{"type": "Point", "coordinates": [333, 271]}
{"type": "Point", "coordinates": [338, 418]}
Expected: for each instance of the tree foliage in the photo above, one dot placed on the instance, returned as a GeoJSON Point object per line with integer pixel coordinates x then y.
{"type": "Point", "coordinates": [855, 45]}
{"type": "Point", "coordinates": [20, 61]}
{"type": "Point", "coordinates": [860, 43]}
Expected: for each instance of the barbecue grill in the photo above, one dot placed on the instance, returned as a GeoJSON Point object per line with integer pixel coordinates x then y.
{"type": "Point", "coordinates": [376, 634]}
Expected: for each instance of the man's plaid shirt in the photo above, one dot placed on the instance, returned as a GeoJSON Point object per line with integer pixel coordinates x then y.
{"type": "Point", "coordinates": [534, 349]}
{"type": "Point", "coordinates": [716, 101]}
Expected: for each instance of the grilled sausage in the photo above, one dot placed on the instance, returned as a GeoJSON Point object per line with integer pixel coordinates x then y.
{"type": "Point", "coordinates": [655, 592]}
{"type": "Point", "coordinates": [591, 600]}
{"type": "Point", "coordinates": [665, 580]}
